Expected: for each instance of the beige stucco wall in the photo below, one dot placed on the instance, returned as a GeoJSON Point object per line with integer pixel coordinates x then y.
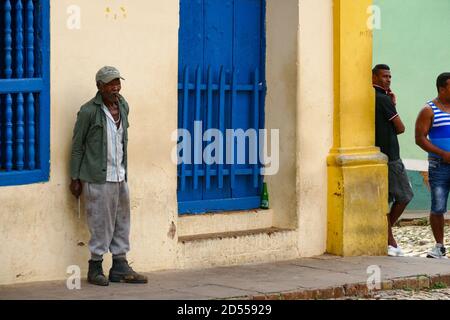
{"type": "Point", "coordinates": [314, 121]}
{"type": "Point", "coordinates": [299, 103]}
{"type": "Point", "coordinates": [40, 232]}
{"type": "Point", "coordinates": [280, 111]}
{"type": "Point", "coordinates": [281, 105]}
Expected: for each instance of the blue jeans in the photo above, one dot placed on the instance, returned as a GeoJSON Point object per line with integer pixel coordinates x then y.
{"type": "Point", "coordinates": [439, 176]}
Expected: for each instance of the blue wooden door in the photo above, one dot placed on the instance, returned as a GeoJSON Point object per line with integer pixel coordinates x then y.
{"type": "Point", "coordinates": [221, 83]}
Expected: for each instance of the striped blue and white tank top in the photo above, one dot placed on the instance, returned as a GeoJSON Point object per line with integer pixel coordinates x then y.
{"type": "Point", "coordinates": [439, 134]}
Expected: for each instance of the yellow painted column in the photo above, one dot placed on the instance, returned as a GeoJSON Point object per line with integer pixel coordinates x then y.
{"type": "Point", "coordinates": [357, 170]}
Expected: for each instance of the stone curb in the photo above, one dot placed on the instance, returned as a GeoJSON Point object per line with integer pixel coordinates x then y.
{"type": "Point", "coordinates": [358, 289]}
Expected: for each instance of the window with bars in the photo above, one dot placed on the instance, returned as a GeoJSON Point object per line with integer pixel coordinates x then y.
{"type": "Point", "coordinates": [24, 91]}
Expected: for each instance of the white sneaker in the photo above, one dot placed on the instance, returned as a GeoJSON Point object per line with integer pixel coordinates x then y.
{"type": "Point", "coordinates": [400, 252]}
{"type": "Point", "coordinates": [392, 251]}
{"type": "Point", "coordinates": [395, 252]}
{"type": "Point", "coordinates": [438, 252]}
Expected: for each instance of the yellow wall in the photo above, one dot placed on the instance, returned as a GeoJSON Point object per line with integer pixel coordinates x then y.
{"type": "Point", "coordinates": [357, 189]}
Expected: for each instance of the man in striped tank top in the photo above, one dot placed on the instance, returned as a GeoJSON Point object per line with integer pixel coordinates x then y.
{"type": "Point", "coordinates": [433, 136]}
{"type": "Point", "coordinates": [387, 126]}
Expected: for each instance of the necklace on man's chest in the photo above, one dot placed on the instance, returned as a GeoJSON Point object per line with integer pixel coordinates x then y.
{"type": "Point", "coordinates": [118, 120]}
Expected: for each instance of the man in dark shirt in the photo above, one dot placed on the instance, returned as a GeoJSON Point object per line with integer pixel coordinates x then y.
{"type": "Point", "coordinates": [387, 126]}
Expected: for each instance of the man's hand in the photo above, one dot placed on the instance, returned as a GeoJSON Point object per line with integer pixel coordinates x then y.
{"type": "Point", "coordinates": [393, 97]}
{"type": "Point", "coordinates": [75, 187]}
{"type": "Point", "coordinates": [446, 157]}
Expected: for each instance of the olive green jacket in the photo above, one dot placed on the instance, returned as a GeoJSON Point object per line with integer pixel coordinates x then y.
{"type": "Point", "coordinates": [89, 143]}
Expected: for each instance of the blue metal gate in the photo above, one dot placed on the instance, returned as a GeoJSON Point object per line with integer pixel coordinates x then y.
{"type": "Point", "coordinates": [221, 83]}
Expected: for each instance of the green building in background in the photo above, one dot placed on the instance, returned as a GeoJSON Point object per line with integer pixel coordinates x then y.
{"type": "Point", "coordinates": [414, 40]}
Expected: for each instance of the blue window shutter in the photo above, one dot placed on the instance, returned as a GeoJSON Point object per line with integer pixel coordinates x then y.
{"type": "Point", "coordinates": [221, 82]}
{"type": "Point", "coordinates": [24, 91]}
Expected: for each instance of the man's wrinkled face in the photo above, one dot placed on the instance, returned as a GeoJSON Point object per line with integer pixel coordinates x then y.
{"type": "Point", "coordinates": [110, 91]}
{"type": "Point", "coordinates": [383, 79]}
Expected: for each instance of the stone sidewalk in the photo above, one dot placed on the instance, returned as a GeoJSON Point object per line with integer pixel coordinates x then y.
{"type": "Point", "coordinates": [308, 278]}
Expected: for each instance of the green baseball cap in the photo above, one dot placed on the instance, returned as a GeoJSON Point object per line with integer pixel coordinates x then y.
{"type": "Point", "coordinates": [107, 74]}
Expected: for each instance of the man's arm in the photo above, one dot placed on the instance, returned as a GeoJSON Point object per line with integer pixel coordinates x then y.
{"type": "Point", "coordinates": [398, 125]}
{"type": "Point", "coordinates": [423, 125]}
{"type": "Point", "coordinates": [390, 113]}
{"type": "Point", "coordinates": [78, 140]}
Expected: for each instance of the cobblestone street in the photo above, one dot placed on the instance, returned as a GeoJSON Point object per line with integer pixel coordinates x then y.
{"type": "Point", "coordinates": [438, 294]}
{"type": "Point", "coordinates": [435, 294]}
{"type": "Point", "coordinates": [416, 241]}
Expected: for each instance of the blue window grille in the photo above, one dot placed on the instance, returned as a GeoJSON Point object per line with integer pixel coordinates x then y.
{"type": "Point", "coordinates": [24, 91]}
{"type": "Point", "coordinates": [221, 82]}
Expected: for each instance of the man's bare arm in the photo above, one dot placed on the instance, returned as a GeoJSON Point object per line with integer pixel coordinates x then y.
{"type": "Point", "coordinates": [398, 125]}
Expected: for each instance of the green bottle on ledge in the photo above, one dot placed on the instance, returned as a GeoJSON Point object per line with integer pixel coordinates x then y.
{"type": "Point", "coordinates": [264, 197]}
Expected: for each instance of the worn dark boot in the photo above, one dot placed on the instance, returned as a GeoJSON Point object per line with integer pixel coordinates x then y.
{"type": "Point", "coordinates": [122, 272]}
{"type": "Point", "coordinates": [95, 273]}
